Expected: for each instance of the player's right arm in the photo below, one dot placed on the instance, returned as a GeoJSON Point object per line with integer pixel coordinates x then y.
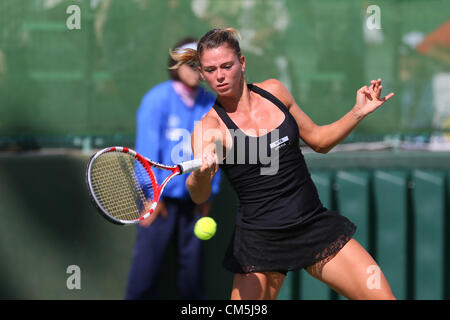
{"type": "Point", "coordinates": [206, 139]}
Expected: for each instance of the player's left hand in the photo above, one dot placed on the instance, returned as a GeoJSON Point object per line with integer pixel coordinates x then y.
{"type": "Point", "coordinates": [368, 98]}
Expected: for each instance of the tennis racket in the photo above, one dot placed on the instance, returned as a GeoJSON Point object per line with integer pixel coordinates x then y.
{"type": "Point", "coordinates": [123, 186]}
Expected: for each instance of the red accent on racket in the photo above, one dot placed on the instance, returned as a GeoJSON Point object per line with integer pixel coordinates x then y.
{"type": "Point", "coordinates": [122, 185]}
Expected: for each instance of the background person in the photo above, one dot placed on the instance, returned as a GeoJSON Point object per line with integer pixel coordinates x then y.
{"type": "Point", "coordinates": [165, 120]}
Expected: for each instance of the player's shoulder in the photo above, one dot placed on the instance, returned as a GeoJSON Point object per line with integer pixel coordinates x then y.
{"type": "Point", "coordinates": [210, 126]}
{"type": "Point", "coordinates": [271, 85]}
{"type": "Point", "coordinates": [210, 120]}
{"type": "Point", "coordinates": [276, 88]}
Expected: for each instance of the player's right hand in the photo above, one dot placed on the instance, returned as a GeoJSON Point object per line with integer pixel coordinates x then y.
{"type": "Point", "coordinates": [210, 165]}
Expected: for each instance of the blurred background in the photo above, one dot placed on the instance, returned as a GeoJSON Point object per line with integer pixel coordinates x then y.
{"type": "Point", "coordinates": [66, 93]}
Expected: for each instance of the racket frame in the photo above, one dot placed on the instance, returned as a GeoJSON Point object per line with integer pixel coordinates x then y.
{"type": "Point", "coordinates": [182, 168]}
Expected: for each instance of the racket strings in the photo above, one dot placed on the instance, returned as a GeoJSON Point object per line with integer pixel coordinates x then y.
{"type": "Point", "coordinates": [121, 185]}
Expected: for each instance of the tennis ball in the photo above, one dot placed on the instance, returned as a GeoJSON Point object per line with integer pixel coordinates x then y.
{"type": "Point", "coordinates": [205, 228]}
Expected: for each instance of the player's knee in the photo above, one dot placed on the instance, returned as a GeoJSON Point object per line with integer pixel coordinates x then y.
{"type": "Point", "coordinates": [249, 286]}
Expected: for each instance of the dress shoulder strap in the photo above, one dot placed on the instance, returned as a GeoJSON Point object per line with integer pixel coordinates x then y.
{"type": "Point", "coordinates": [268, 96]}
{"type": "Point", "coordinates": [224, 116]}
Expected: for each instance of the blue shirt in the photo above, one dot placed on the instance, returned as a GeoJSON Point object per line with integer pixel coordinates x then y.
{"type": "Point", "coordinates": [164, 127]}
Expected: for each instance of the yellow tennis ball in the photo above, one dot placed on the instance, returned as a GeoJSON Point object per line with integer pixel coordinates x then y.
{"type": "Point", "coordinates": [205, 228]}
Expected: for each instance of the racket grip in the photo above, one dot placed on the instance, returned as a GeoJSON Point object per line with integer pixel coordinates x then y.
{"type": "Point", "coordinates": [189, 166]}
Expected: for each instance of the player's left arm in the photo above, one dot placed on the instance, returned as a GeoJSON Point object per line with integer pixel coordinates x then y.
{"type": "Point", "coordinates": [324, 138]}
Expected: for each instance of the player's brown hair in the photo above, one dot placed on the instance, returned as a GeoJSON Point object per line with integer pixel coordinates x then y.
{"type": "Point", "coordinates": [212, 39]}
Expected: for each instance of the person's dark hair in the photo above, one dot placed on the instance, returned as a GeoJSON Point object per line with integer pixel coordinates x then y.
{"type": "Point", "coordinates": [212, 39]}
{"type": "Point", "coordinates": [173, 73]}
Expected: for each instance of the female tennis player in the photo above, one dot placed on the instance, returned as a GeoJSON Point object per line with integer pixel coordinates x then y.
{"type": "Point", "coordinates": [281, 225]}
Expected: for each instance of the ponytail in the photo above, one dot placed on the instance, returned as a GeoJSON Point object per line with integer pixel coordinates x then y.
{"type": "Point", "coordinates": [212, 39]}
{"type": "Point", "coordinates": [233, 32]}
{"type": "Point", "coordinates": [182, 56]}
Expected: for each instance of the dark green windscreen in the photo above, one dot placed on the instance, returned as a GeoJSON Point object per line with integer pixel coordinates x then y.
{"type": "Point", "coordinates": [59, 86]}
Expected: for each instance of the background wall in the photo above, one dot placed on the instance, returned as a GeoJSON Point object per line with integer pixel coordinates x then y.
{"type": "Point", "coordinates": [59, 85]}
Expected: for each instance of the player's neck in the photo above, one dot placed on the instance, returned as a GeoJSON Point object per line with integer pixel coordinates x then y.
{"type": "Point", "coordinates": [239, 101]}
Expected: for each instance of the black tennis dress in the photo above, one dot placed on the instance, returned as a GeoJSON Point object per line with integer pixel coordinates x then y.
{"type": "Point", "coordinates": [281, 225]}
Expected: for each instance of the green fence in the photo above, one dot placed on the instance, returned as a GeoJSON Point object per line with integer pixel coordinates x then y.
{"type": "Point", "coordinates": [400, 206]}
{"type": "Point", "coordinates": [58, 85]}
{"type": "Point", "coordinates": [402, 219]}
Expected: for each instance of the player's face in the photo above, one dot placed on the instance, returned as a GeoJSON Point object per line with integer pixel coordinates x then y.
{"type": "Point", "coordinates": [223, 70]}
{"type": "Point", "coordinates": [189, 76]}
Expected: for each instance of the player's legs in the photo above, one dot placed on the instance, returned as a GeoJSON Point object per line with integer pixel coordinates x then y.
{"type": "Point", "coordinates": [190, 254]}
{"type": "Point", "coordinates": [257, 285]}
{"type": "Point", "coordinates": [148, 254]}
{"type": "Point", "coordinates": [353, 273]}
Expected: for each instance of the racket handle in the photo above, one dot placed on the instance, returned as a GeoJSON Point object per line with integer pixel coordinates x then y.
{"type": "Point", "coordinates": [189, 166]}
